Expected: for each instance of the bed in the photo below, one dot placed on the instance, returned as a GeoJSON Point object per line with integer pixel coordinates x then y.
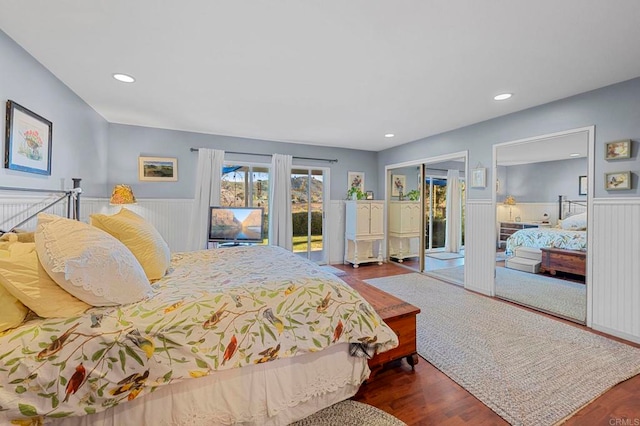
{"type": "Point", "coordinates": [249, 334]}
{"type": "Point", "coordinates": [565, 242]}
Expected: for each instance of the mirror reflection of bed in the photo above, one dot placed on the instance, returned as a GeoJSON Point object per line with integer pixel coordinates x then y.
{"type": "Point", "coordinates": [541, 211]}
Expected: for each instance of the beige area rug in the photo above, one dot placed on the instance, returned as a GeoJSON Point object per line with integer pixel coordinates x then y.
{"type": "Point", "coordinates": [560, 297]}
{"type": "Point", "coordinates": [350, 413]}
{"type": "Point", "coordinates": [445, 255]}
{"type": "Point", "coordinates": [528, 368]}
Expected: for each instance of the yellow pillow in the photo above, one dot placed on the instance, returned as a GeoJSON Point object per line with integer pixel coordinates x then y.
{"type": "Point", "coordinates": [144, 241]}
{"type": "Point", "coordinates": [24, 277]}
{"type": "Point", "coordinates": [13, 311]}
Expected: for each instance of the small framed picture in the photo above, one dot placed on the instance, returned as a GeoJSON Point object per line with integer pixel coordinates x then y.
{"type": "Point", "coordinates": [582, 185]}
{"type": "Point", "coordinates": [158, 169]}
{"type": "Point", "coordinates": [617, 180]}
{"type": "Point", "coordinates": [398, 185]}
{"type": "Point", "coordinates": [369, 195]}
{"type": "Point", "coordinates": [479, 177]}
{"type": "Point", "coordinates": [28, 141]}
{"type": "Point", "coordinates": [618, 150]}
{"type": "Point", "coordinates": [356, 180]}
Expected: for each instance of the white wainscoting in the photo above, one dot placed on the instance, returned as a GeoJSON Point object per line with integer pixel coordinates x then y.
{"type": "Point", "coordinates": [16, 208]}
{"type": "Point", "coordinates": [169, 216]}
{"type": "Point", "coordinates": [335, 231]}
{"type": "Point", "coordinates": [615, 282]}
{"type": "Point", "coordinates": [480, 246]}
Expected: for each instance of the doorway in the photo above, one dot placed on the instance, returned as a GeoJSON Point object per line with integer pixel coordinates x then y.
{"type": "Point", "coordinates": [539, 183]}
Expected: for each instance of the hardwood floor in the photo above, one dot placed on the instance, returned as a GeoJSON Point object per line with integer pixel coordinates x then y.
{"type": "Point", "coordinates": [426, 396]}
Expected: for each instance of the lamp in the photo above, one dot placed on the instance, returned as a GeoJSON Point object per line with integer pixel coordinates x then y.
{"type": "Point", "coordinates": [122, 194]}
{"type": "Point", "coordinates": [510, 201]}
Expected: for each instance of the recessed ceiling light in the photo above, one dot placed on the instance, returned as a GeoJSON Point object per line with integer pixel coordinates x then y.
{"type": "Point", "coordinates": [574, 154]}
{"type": "Point", "coordinates": [502, 96]}
{"type": "Point", "coordinates": [389, 135]}
{"type": "Point", "coordinates": [124, 78]}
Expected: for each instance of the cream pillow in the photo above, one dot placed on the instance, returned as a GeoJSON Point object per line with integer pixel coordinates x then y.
{"type": "Point", "coordinates": [576, 222]}
{"type": "Point", "coordinates": [144, 241]}
{"type": "Point", "coordinates": [24, 277]}
{"type": "Point", "coordinates": [89, 263]}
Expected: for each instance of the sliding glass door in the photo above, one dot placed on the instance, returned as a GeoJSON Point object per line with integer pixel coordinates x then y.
{"type": "Point", "coordinates": [308, 212]}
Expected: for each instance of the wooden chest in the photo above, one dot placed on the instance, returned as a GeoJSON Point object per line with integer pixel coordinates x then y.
{"type": "Point", "coordinates": [571, 261]}
{"type": "Point", "coordinates": [400, 316]}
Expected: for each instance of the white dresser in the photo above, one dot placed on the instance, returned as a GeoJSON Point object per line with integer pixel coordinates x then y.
{"type": "Point", "coordinates": [364, 231]}
{"type": "Point", "coordinates": [404, 229]}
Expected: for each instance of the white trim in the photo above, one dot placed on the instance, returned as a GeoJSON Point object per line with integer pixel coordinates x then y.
{"type": "Point", "coordinates": [616, 201]}
{"type": "Point", "coordinates": [428, 160]}
{"type": "Point", "coordinates": [616, 333]}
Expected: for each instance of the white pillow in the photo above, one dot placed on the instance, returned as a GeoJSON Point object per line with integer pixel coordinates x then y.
{"type": "Point", "coordinates": [89, 263]}
{"type": "Point", "coordinates": [577, 222]}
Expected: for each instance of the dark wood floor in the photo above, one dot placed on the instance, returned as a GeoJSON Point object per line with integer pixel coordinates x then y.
{"type": "Point", "coordinates": [425, 396]}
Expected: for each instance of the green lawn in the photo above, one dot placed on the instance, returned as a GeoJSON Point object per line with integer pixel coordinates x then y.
{"type": "Point", "coordinates": [300, 243]}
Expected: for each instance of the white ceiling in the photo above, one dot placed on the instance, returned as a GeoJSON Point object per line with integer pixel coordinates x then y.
{"type": "Point", "coordinates": [335, 73]}
{"type": "Point", "coordinates": [545, 148]}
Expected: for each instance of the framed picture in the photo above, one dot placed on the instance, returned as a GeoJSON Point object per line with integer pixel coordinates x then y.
{"type": "Point", "coordinates": [618, 150]}
{"type": "Point", "coordinates": [398, 185]}
{"type": "Point", "coordinates": [479, 177]}
{"type": "Point", "coordinates": [582, 185]}
{"type": "Point", "coordinates": [28, 141]}
{"type": "Point", "coordinates": [356, 179]}
{"type": "Point", "coordinates": [158, 169]}
{"type": "Point", "coordinates": [617, 180]}
{"type": "Point", "coordinates": [369, 195]}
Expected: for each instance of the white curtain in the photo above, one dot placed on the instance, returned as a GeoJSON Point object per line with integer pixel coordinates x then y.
{"type": "Point", "coordinates": [280, 221]}
{"type": "Point", "coordinates": [208, 177]}
{"type": "Point", "coordinates": [453, 235]}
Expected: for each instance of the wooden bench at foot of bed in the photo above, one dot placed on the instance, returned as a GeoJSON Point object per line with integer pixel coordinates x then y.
{"type": "Point", "coordinates": [561, 260]}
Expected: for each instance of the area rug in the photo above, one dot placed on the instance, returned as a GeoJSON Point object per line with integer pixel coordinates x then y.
{"type": "Point", "coordinates": [333, 270]}
{"type": "Point", "coordinates": [528, 368]}
{"type": "Point", "coordinates": [350, 413]}
{"type": "Point", "coordinates": [445, 255]}
{"type": "Point", "coordinates": [560, 297]}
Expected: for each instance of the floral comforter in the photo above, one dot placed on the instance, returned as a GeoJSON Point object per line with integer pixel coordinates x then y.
{"type": "Point", "coordinates": [547, 237]}
{"type": "Point", "coordinates": [214, 310]}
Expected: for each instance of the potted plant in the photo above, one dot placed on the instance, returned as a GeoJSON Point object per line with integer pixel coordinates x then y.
{"type": "Point", "coordinates": [413, 195]}
{"type": "Point", "coordinates": [354, 193]}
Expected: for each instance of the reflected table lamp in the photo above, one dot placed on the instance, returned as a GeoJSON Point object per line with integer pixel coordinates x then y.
{"type": "Point", "coordinates": [510, 201]}
{"type": "Point", "coordinates": [122, 194]}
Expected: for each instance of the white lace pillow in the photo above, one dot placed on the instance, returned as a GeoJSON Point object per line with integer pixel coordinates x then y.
{"type": "Point", "coordinates": [89, 263]}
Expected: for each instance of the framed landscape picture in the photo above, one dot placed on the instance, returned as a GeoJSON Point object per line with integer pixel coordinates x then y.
{"type": "Point", "coordinates": [158, 169]}
{"type": "Point", "coordinates": [28, 141]}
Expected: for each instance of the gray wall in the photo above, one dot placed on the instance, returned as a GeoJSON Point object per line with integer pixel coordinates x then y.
{"type": "Point", "coordinates": [543, 182]}
{"type": "Point", "coordinates": [614, 110]}
{"type": "Point", "coordinates": [127, 143]}
{"type": "Point", "coordinates": [79, 144]}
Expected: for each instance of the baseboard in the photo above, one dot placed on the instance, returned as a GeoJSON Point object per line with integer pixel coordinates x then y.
{"type": "Point", "coordinates": [616, 333]}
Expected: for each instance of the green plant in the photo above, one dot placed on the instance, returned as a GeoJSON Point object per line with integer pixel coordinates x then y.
{"type": "Point", "coordinates": [358, 193]}
{"type": "Point", "coordinates": [413, 195]}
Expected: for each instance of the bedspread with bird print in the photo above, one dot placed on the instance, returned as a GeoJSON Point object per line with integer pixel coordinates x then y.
{"type": "Point", "coordinates": [547, 237]}
{"type": "Point", "coordinates": [215, 309]}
